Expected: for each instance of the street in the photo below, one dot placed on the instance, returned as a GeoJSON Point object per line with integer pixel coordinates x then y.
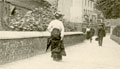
{"type": "Point", "coordinates": [85, 55]}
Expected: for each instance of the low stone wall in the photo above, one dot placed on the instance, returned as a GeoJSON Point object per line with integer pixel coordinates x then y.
{"type": "Point", "coordinates": [20, 45]}
{"type": "Point", "coordinates": [115, 38]}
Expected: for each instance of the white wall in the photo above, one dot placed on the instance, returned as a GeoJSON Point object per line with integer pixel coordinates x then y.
{"type": "Point", "coordinates": [64, 6]}
{"type": "Point", "coordinates": [74, 9]}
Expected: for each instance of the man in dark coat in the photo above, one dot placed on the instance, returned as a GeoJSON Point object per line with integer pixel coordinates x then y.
{"type": "Point", "coordinates": [101, 34]}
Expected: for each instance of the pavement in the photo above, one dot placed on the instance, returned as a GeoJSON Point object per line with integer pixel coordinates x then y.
{"type": "Point", "coordinates": [85, 55]}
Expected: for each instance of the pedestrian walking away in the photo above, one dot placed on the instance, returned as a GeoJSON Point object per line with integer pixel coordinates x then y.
{"type": "Point", "coordinates": [101, 34]}
{"type": "Point", "coordinates": [55, 41]}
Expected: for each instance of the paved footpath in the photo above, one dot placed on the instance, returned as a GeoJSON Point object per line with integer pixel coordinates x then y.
{"type": "Point", "coordinates": [81, 56]}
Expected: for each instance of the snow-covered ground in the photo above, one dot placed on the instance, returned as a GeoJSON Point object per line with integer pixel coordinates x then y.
{"type": "Point", "coordinates": [81, 56]}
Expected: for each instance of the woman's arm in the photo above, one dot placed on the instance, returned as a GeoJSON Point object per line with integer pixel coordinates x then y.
{"type": "Point", "coordinates": [49, 27]}
{"type": "Point", "coordinates": [62, 33]}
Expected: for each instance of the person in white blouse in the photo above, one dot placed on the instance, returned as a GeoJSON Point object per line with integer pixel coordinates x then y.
{"type": "Point", "coordinates": [56, 24]}
{"type": "Point", "coordinates": [56, 43]}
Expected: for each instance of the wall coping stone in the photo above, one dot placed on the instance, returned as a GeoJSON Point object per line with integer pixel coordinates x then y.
{"type": "Point", "coordinates": [28, 34]}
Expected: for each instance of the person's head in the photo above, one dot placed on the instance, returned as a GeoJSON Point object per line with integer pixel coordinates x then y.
{"type": "Point", "coordinates": [88, 26]}
{"type": "Point", "coordinates": [101, 26]}
{"type": "Point", "coordinates": [58, 16]}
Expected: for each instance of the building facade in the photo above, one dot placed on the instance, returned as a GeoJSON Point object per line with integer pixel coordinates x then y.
{"type": "Point", "coordinates": [77, 11]}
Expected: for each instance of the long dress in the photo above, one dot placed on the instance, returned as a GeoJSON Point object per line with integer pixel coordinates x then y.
{"type": "Point", "coordinates": [57, 47]}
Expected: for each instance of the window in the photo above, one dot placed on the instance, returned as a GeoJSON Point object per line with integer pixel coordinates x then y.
{"type": "Point", "coordinates": [88, 3]}
{"type": "Point", "coordinates": [84, 10]}
{"type": "Point", "coordinates": [85, 2]}
{"type": "Point", "coordinates": [91, 4]}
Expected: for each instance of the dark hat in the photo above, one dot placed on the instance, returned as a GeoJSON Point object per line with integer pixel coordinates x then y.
{"type": "Point", "coordinates": [58, 14]}
{"type": "Point", "coordinates": [101, 24]}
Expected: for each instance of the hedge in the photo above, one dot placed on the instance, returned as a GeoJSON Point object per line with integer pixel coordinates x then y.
{"type": "Point", "coordinates": [116, 31]}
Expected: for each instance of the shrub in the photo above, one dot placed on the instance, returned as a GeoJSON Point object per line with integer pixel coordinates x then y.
{"type": "Point", "coordinates": [35, 20]}
{"type": "Point", "coordinates": [69, 27]}
{"type": "Point", "coordinates": [116, 31]}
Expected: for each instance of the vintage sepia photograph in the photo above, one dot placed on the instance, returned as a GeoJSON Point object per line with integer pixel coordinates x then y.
{"type": "Point", "coordinates": [59, 34]}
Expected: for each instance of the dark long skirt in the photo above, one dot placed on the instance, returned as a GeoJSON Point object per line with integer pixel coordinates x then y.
{"type": "Point", "coordinates": [57, 46]}
{"type": "Point", "coordinates": [100, 41]}
{"type": "Point", "coordinates": [56, 50]}
{"type": "Point", "coordinates": [56, 56]}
